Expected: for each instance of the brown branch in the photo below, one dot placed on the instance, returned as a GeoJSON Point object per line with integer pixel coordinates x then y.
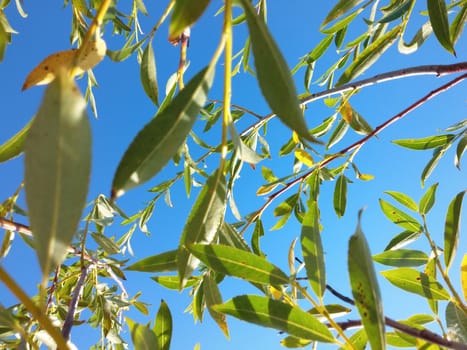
{"type": "Point", "coordinates": [354, 146]}
{"type": "Point", "coordinates": [66, 330]}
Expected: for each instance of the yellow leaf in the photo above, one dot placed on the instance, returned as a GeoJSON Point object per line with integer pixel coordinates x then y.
{"type": "Point", "coordinates": [304, 157]}
{"type": "Point", "coordinates": [464, 276]}
{"type": "Point", "coordinates": [346, 112]}
{"type": "Point", "coordinates": [46, 71]}
{"type": "Point", "coordinates": [366, 177]}
{"type": "Point", "coordinates": [295, 137]}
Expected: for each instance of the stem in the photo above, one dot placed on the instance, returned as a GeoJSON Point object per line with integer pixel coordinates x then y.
{"type": "Point", "coordinates": [162, 19]}
{"type": "Point", "coordinates": [66, 330]}
{"type": "Point", "coordinates": [36, 313]}
{"type": "Point", "coordinates": [184, 40]}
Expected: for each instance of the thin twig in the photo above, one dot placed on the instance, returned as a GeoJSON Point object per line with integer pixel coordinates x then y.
{"type": "Point", "coordinates": [66, 330]}
{"type": "Point", "coordinates": [353, 146]}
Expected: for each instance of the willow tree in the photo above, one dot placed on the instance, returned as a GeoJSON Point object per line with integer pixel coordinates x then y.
{"type": "Point", "coordinates": [84, 264]}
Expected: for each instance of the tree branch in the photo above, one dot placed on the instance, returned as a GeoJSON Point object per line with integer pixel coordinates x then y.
{"type": "Point", "coordinates": [66, 330]}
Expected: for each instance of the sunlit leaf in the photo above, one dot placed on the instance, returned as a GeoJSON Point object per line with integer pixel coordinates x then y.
{"type": "Point", "coordinates": [464, 276]}
{"type": "Point", "coordinates": [163, 262]}
{"type": "Point", "coordinates": [461, 147]}
{"type": "Point", "coordinates": [274, 77]}
{"type": "Point", "coordinates": [258, 232]}
{"type": "Point", "coordinates": [239, 263]}
{"type": "Point", "coordinates": [456, 321]}
{"type": "Point", "coordinates": [228, 235]}
{"type": "Point", "coordinates": [428, 199]}
{"type": "Point", "coordinates": [403, 199]}
{"type": "Point", "coordinates": [312, 250]}
{"type": "Point", "coordinates": [244, 152]}
{"type": "Point", "coordinates": [148, 74]}
{"type": "Point", "coordinates": [338, 133]}
{"type": "Point", "coordinates": [162, 137]}
{"type": "Point", "coordinates": [173, 282]}
{"type": "Point", "coordinates": [185, 13]}
{"type": "Point", "coordinates": [340, 196]}
{"type": "Point", "coordinates": [425, 142]}
{"type": "Point", "coordinates": [212, 297]}
{"type": "Point", "coordinates": [341, 8]}
{"type": "Point", "coordinates": [278, 315]}
{"type": "Point", "coordinates": [163, 326]}
{"type": "Point", "coordinates": [452, 229]}
{"type": "Point", "coordinates": [458, 24]}
{"type": "Point", "coordinates": [401, 258]}
{"type": "Point", "coordinates": [430, 270]}
{"type": "Point", "coordinates": [438, 153]}
{"type": "Point", "coordinates": [304, 157]}
{"type": "Point", "coordinates": [369, 56]}
{"type": "Point", "coordinates": [14, 146]}
{"type": "Point", "coordinates": [365, 288]}
{"type": "Point", "coordinates": [203, 222]}
{"type": "Point", "coordinates": [396, 12]}
{"type": "Point", "coordinates": [399, 217]}
{"type": "Point", "coordinates": [438, 13]}
{"type": "Point", "coordinates": [292, 342]}
{"type": "Point", "coordinates": [416, 282]}
{"type": "Point", "coordinates": [106, 243]}
{"type": "Point", "coordinates": [341, 24]}
{"type": "Point", "coordinates": [57, 170]}
{"type": "Point", "coordinates": [142, 336]}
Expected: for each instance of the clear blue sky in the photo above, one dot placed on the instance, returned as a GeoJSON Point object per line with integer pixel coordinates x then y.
{"type": "Point", "coordinates": [124, 109]}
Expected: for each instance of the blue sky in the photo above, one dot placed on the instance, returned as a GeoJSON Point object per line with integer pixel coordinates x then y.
{"type": "Point", "coordinates": [123, 109]}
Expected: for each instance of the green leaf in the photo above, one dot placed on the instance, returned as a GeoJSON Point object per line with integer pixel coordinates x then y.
{"type": "Point", "coordinates": [461, 147]}
{"type": "Point", "coordinates": [340, 196]}
{"type": "Point", "coordinates": [275, 314]}
{"type": "Point", "coordinates": [163, 262]}
{"type": "Point", "coordinates": [397, 11]}
{"type": "Point", "coordinates": [312, 250]}
{"type": "Point", "coordinates": [106, 243]}
{"type": "Point", "coordinates": [338, 133]}
{"type": "Point", "coordinates": [258, 232]}
{"type": "Point", "coordinates": [425, 142]}
{"type": "Point", "coordinates": [228, 235]}
{"type": "Point", "coordinates": [458, 24]}
{"type": "Point", "coordinates": [456, 321]}
{"type": "Point", "coordinates": [369, 56]}
{"type": "Point", "coordinates": [14, 146]}
{"type": "Point", "coordinates": [239, 263]}
{"type": "Point", "coordinates": [162, 137]}
{"type": "Point", "coordinates": [428, 199]}
{"type": "Point", "coordinates": [203, 223]}
{"type": "Point", "coordinates": [142, 336]}
{"type": "Point", "coordinates": [57, 170]}
{"type": "Point", "coordinates": [244, 152]}
{"type": "Point", "coordinates": [148, 74]}
{"type": "Point", "coordinates": [417, 41]}
{"type": "Point", "coordinates": [452, 229]}
{"type": "Point", "coordinates": [438, 153]}
{"type": "Point", "coordinates": [438, 14]}
{"type": "Point", "coordinates": [416, 282]}
{"type": "Point", "coordinates": [163, 326]}
{"type": "Point", "coordinates": [399, 217]}
{"type": "Point", "coordinates": [185, 13]}
{"type": "Point", "coordinates": [212, 296]}
{"type": "Point", "coordinates": [341, 8]}
{"type": "Point", "coordinates": [365, 288]}
{"type": "Point", "coordinates": [402, 239]}
{"type": "Point", "coordinates": [173, 282]}
{"type": "Point", "coordinates": [401, 258]}
{"type": "Point", "coordinates": [292, 342]}
{"type": "Point", "coordinates": [274, 77]}
{"type": "Point", "coordinates": [403, 199]}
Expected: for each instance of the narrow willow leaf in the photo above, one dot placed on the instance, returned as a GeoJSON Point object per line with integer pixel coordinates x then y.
{"type": "Point", "coordinates": [57, 170]}
{"type": "Point", "coordinates": [202, 223]}
{"type": "Point", "coordinates": [399, 217]}
{"type": "Point", "coordinates": [452, 229]}
{"type": "Point", "coordinates": [162, 137]}
{"type": "Point", "coordinates": [274, 77]}
{"type": "Point", "coordinates": [312, 250]}
{"type": "Point", "coordinates": [456, 321]}
{"type": "Point", "coordinates": [425, 142]}
{"type": "Point", "coordinates": [106, 243]}
{"type": "Point", "coordinates": [239, 263]}
{"type": "Point", "coordinates": [228, 235]}
{"type": "Point", "coordinates": [338, 133]}
{"type": "Point", "coordinates": [438, 13]}
{"type": "Point", "coordinates": [304, 157]}
{"type": "Point", "coordinates": [461, 147]}
{"type": "Point", "coordinates": [173, 282]}
{"type": "Point", "coordinates": [396, 12]}
{"type": "Point", "coordinates": [320, 49]}
{"type": "Point", "coordinates": [464, 276]}
{"type": "Point", "coordinates": [334, 310]}
{"type": "Point", "coordinates": [14, 146]}
{"type": "Point", "coordinates": [396, 340]}
{"type": "Point", "coordinates": [185, 13]}
{"type": "Point", "coordinates": [292, 342]}
{"type": "Point", "coordinates": [258, 232]}
{"type": "Point", "coordinates": [341, 8]}
{"type": "Point", "coordinates": [369, 56]}
{"type": "Point", "coordinates": [403, 199]}
{"type": "Point", "coordinates": [417, 41]}
{"type": "Point", "coordinates": [278, 315]}
{"type": "Point", "coordinates": [458, 24]}
{"type": "Point", "coordinates": [268, 174]}
{"type": "Point", "coordinates": [163, 326]}
{"type": "Point", "coordinates": [358, 339]}
{"type": "Point", "coordinates": [416, 282]}
{"type": "Point", "coordinates": [163, 262]}
{"type": "Point", "coordinates": [402, 239]}
{"type": "Point", "coordinates": [365, 288]}
{"type": "Point", "coordinates": [401, 258]}
{"type": "Point", "coordinates": [148, 74]}
{"type": "Point", "coordinates": [428, 200]}
{"type": "Point", "coordinates": [212, 297]}
{"type": "Point", "coordinates": [342, 24]}
{"type": "Point", "coordinates": [430, 270]}
{"type": "Point", "coordinates": [340, 196]}
{"type": "Point", "coordinates": [244, 152]}
{"type": "Point", "coordinates": [142, 336]}
{"type": "Point", "coordinates": [438, 153]}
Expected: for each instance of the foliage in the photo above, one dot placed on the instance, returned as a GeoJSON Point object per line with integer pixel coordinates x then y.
{"type": "Point", "coordinates": [84, 267]}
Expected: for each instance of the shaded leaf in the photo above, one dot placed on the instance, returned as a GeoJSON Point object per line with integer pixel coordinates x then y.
{"type": "Point", "coordinates": [239, 263]}
{"type": "Point", "coordinates": [401, 258]}
{"type": "Point", "coordinates": [106, 243]}
{"type": "Point", "coordinates": [274, 77]}
{"type": "Point", "coordinates": [163, 262]}
{"type": "Point", "coordinates": [399, 217]}
{"type": "Point", "coordinates": [460, 149]}
{"type": "Point", "coordinates": [202, 223]}
{"type": "Point", "coordinates": [341, 8]}
{"type": "Point", "coordinates": [57, 170]}
{"type": "Point", "coordinates": [340, 196]}
{"type": "Point", "coordinates": [458, 24]}
{"type": "Point", "coordinates": [162, 137]}
{"type": "Point", "coordinates": [163, 326]}
{"type": "Point", "coordinates": [244, 152]}
{"type": "Point", "coordinates": [148, 74]}
{"type": "Point", "coordinates": [403, 199]}
{"type": "Point", "coordinates": [456, 320]}
{"type": "Point", "coordinates": [428, 199]}
{"type": "Point", "coordinates": [425, 142]}
{"type": "Point", "coordinates": [338, 133]}
{"type": "Point", "coordinates": [452, 228]}
{"type": "Point", "coordinates": [417, 41]}
{"type": "Point", "coordinates": [185, 13]}
{"type": "Point", "coordinates": [430, 270]}
{"type": "Point", "coordinates": [228, 235]}
{"type": "Point", "coordinates": [212, 297]}
{"type": "Point", "coordinates": [14, 146]}
{"type": "Point", "coordinates": [397, 11]}
{"type": "Point", "coordinates": [142, 336]}
{"type": "Point", "coordinates": [438, 153]}
{"type": "Point", "coordinates": [365, 288]}
{"type": "Point", "coordinates": [275, 314]}
{"type": "Point", "coordinates": [416, 282]}
{"type": "Point", "coordinates": [438, 13]}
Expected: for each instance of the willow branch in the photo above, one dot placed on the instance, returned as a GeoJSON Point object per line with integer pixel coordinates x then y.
{"type": "Point", "coordinates": [354, 146]}
{"type": "Point", "coordinates": [66, 330]}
